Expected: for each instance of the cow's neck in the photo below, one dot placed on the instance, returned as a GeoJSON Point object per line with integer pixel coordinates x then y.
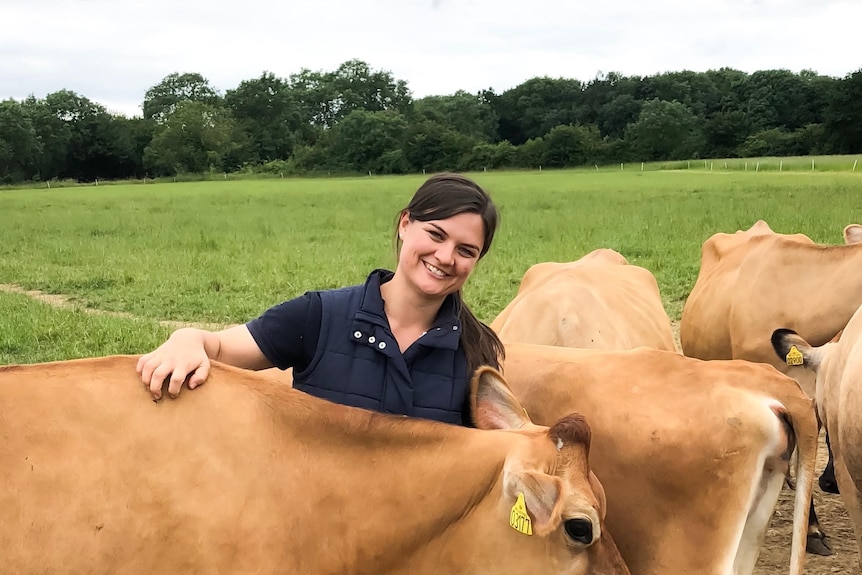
{"type": "Point", "coordinates": [394, 488]}
{"type": "Point", "coordinates": [827, 277]}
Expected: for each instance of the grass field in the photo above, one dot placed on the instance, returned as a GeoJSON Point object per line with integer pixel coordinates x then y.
{"type": "Point", "coordinates": [224, 251]}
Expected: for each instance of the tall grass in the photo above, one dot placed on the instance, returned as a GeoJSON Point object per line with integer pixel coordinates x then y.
{"type": "Point", "coordinates": [224, 251]}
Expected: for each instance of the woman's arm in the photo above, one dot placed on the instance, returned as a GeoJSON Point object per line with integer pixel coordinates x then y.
{"type": "Point", "coordinates": [187, 354]}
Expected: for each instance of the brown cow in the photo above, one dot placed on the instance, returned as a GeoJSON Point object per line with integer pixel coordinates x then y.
{"type": "Point", "coordinates": [750, 284]}
{"type": "Point", "coordinates": [597, 302]}
{"type": "Point", "coordinates": [838, 382]}
{"type": "Point", "coordinates": [692, 454]}
{"type": "Point", "coordinates": [250, 476]}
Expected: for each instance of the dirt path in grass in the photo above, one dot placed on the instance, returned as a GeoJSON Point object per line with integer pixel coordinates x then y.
{"type": "Point", "coordinates": [67, 302]}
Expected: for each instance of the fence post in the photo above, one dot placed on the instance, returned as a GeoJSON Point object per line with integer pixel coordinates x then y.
{"type": "Point", "coordinates": [854, 165]}
{"type": "Point", "coordinates": [812, 164]}
{"type": "Point", "coordinates": [780, 165]}
{"type": "Point", "coordinates": [757, 167]}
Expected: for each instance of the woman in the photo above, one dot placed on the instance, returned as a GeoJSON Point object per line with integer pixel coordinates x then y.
{"type": "Point", "coordinates": [403, 342]}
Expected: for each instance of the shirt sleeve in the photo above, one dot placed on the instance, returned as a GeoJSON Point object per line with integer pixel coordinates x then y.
{"type": "Point", "coordinates": [287, 333]}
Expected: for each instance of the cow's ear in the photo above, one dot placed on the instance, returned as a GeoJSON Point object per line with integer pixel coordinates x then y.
{"type": "Point", "coordinates": [853, 234]}
{"type": "Point", "coordinates": [492, 403]}
{"type": "Point", "coordinates": [543, 497]}
{"type": "Point", "coordinates": [791, 348]}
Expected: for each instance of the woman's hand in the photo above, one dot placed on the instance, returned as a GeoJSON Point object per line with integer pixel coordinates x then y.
{"type": "Point", "coordinates": [183, 356]}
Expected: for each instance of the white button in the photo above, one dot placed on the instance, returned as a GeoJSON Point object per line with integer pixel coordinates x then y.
{"type": "Point", "coordinates": [357, 334]}
{"type": "Point", "coordinates": [438, 329]}
{"type": "Point", "coordinates": [455, 327]}
{"type": "Point", "coordinates": [371, 339]}
{"type": "Point", "coordinates": [382, 345]}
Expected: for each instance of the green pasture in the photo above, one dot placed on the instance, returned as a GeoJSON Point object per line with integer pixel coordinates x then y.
{"type": "Point", "coordinates": [224, 251]}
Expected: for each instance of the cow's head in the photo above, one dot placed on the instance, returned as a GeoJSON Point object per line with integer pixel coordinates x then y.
{"type": "Point", "coordinates": [795, 351]}
{"type": "Point", "coordinates": [551, 506]}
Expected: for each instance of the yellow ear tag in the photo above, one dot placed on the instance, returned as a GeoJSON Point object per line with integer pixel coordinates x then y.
{"type": "Point", "coordinates": [518, 518]}
{"type": "Point", "coordinates": [794, 356]}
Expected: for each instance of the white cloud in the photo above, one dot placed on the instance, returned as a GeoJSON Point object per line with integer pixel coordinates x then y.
{"type": "Point", "coordinates": [113, 51]}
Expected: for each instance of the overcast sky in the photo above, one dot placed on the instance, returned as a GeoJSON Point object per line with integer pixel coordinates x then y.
{"type": "Point", "coordinates": [112, 51]}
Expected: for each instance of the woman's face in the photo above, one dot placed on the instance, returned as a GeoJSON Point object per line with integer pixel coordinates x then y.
{"type": "Point", "coordinates": [438, 256]}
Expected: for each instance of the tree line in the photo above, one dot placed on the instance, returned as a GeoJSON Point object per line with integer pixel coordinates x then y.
{"type": "Point", "coordinates": [357, 119]}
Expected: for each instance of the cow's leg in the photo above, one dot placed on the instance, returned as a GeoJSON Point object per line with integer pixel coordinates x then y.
{"type": "Point", "coordinates": [827, 480]}
{"type": "Point", "coordinates": [817, 542]}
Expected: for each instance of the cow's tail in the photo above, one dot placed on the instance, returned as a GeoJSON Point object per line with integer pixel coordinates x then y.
{"type": "Point", "coordinates": [802, 419]}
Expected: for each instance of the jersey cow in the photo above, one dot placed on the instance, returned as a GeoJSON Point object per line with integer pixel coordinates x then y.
{"type": "Point", "coordinates": [692, 454]}
{"type": "Point", "coordinates": [247, 475]}
{"type": "Point", "coordinates": [596, 302]}
{"type": "Point", "coordinates": [750, 283]}
{"type": "Point", "coordinates": [838, 386]}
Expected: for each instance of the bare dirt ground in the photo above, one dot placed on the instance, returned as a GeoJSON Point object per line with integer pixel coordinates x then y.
{"type": "Point", "coordinates": [775, 555]}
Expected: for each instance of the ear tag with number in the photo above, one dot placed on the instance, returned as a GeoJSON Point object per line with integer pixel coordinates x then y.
{"type": "Point", "coordinates": [518, 518]}
{"type": "Point", "coordinates": [794, 356]}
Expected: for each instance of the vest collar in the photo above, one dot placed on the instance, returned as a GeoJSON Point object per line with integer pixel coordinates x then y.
{"type": "Point", "coordinates": [446, 330]}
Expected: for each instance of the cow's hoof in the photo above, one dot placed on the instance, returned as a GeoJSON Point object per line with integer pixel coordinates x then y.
{"type": "Point", "coordinates": [790, 482]}
{"type": "Point", "coordinates": [818, 544]}
{"type": "Point", "coordinates": [828, 484]}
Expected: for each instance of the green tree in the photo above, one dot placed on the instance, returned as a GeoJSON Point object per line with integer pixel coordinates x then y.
{"type": "Point", "coordinates": [94, 144]}
{"type": "Point", "coordinates": [161, 99]}
{"type": "Point", "coordinates": [462, 112]}
{"type": "Point", "coordinates": [569, 146]}
{"type": "Point", "coordinates": [844, 114]}
{"type": "Point", "coordinates": [20, 148]}
{"type": "Point", "coordinates": [369, 141]}
{"type": "Point", "coordinates": [724, 132]}
{"type": "Point", "coordinates": [435, 146]}
{"type": "Point", "coordinates": [194, 137]}
{"type": "Point", "coordinates": [617, 114]}
{"type": "Point", "coordinates": [664, 131]}
{"type": "Point", "coordinates": [532, 108]}
{"type": "Point", "coordinates": [54, 135]}
{"type": "Point", "coordinates": [490, 156]}
{"type": "Point", "coordinates": [267, 110]}
{"type": "Point", "coordinates": [327, 97]}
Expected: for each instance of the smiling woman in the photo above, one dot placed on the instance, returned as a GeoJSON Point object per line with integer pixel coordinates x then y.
{"type": "Point", "coordinates": [404, 342]}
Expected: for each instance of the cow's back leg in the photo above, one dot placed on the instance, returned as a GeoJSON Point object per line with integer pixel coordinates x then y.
{"type": "Point", "coordinates": [827, 479]}
{"type": "Point", "coordinates": [817, 543]}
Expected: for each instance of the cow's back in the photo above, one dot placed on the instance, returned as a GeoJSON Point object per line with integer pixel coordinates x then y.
{"type": "Point", "coordinates": [84, 479]}
{"type": "Point", "coordinates": [598, 302]}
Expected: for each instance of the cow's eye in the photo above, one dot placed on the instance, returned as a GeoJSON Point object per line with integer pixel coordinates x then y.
{"type": "Point", "coordinates": [580, 530]}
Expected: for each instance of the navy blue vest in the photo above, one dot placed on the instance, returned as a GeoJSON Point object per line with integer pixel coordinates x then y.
{"type": "Point", "coordinates": [358, 362]}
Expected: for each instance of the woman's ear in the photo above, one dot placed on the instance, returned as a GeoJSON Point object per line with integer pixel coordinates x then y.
{"type": "Point", "coordinates": [403, 221]}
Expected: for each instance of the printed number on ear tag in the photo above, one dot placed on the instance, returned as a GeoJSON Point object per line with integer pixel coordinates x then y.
{"type": "Point", "coordinates": [794, 356]}
{"type": "Point", "coordinates": [518, 518]}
